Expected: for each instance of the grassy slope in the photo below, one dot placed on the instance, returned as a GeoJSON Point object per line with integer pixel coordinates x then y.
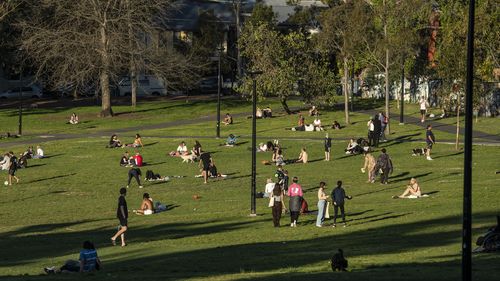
{"type": "Point", "coordinates": [71, 196]}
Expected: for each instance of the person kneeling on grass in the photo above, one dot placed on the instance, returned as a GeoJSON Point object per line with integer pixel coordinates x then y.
{"type": "Point", "coordinates": [89, 261]}
{"type": "Point", "coordinates": [412, 190]}
{"type": "Point", "coordinates": [146, 205]}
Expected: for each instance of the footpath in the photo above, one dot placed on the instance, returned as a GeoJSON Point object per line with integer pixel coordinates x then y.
{"type": "Point", "coordinates": [480, 138]}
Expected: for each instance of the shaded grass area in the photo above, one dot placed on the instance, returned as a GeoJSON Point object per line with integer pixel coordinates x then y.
{"type": "Point", "coordinates": [71, 196]}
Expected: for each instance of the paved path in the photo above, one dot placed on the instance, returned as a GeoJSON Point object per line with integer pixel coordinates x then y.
{"type": "Point", "coordinates": [481, 138]}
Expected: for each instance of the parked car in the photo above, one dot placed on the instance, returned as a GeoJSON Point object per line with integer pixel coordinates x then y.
{"type": "Point", "coordinates": [148, 85]}
{"type": "Point", "coordinates": [26, 92]}
{"type": "Point", "coordinates": [208, 85]}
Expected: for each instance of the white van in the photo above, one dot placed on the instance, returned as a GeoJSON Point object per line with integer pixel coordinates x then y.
{"type": "Point", "coordinates": [148, 85]}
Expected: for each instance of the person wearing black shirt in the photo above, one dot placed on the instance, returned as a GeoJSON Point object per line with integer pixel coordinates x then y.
{"type": "Point", "coordinates": [13, 168]}
{"type": "Point", "coordinates": [377, 128]}
{"type": "Point", "coordinates": [122, 215]}
{"type": "Point", "coordinates": [384, 163]}
{"type": "Point", "coordinates": [134, 173]}
{"type": "Point", "coordinates": [338, 195]}
{"type": "Point", "coordinates": [328, 147]}
{"type": "Point", "coordinates": [430, 140]}
{"type": "Point", "coordinates": [205, 160]}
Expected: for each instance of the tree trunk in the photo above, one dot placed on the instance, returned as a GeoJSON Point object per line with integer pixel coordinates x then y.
{"type": "Point", "coordinates": [104, 76]}
{"type": "Point", "coordinates": [133, 84]}
{"type": "Point", "coordinates": [75, 94]}
{"type": "Point", "coordinates": [285, 106]}
{"type": "Point", "coordinates": [239, 61]}
{"type": "Point", "coordinates": [388, 128]}
{"type": "Point", "coordinates": [346, 91]}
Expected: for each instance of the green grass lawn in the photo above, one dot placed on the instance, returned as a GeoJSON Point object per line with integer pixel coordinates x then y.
{"type": "Point", "coordinates": [71, 196]}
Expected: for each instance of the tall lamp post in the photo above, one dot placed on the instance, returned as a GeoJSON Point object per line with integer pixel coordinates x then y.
{"type": "Point", "coordinates": [467, 203]}
{"type": "Point", "coordinates": [219, 49]}
{"type": "Point", "coordinates": [20, 129]}
{"type": "Point", "coordinates": [254, 74]}
{"type": "Point", "coordinates": [402, 99]}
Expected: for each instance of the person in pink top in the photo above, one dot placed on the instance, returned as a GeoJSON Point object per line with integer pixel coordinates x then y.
{"type": "Point", "coordinates": [295, 193]}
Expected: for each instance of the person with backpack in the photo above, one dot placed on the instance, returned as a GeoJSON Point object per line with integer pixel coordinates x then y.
{"type": "Point", "coordinates": [13, 168]}
{"type": "Point", "coordinates": [384, 163]}
{"type": "Point", "coordinates": [338, 196]}
{"type": "Point", "coordinates": [282, 176]}
{"type": "Point", "coordinates": [134, 173]}
{"type": "Point", "coordinates": [295, 193]}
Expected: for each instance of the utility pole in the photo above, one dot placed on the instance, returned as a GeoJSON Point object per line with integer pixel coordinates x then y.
{"type": "Point", "coordinates": [237, 12]}
{"type": "Point", "coordinates": [254, 74]}
{"type": "Point", "coordinates": [219, 50]}
{"type": "Point", "coordinates": [467, 206]}
{"type": "Point", "coordinates": [402, 99]}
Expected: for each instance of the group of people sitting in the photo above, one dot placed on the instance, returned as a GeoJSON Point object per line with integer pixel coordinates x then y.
{"type": "Point", "coordinates": [131, 161]}
{"type": "Point", "coordinates": [182, 150]}
{"type": "Point", "coordinates": [114, 142]}
{"type": "Point", "coordinates": [358, 146]}
{"type": "Point", "coordinates": [149, 207]}
{"type": "Point", "coordinates": [11, 163]}
{"type": "Point", "coordinates": [316, 125]}
{"type": "Point", "coordinates": [264, 113]}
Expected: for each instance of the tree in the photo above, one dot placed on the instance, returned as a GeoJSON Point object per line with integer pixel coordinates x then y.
{"type": "Point", "coordinates": [73, 42]}
{"type": "Point", "coordinates": [7, 7]}
{"type": "Point", "coordinates": [344, 25]}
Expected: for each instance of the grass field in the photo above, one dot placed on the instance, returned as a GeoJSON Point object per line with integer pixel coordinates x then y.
{"type": "Point", "coordinates": [71, 196]}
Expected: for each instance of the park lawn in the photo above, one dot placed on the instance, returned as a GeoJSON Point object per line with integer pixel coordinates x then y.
{"type": "Point", "coordinates": [71, 196]}
{"type": "Point", "coordinates": [54, 120]}
{"type": "Point", "coordinates": [487, 125]}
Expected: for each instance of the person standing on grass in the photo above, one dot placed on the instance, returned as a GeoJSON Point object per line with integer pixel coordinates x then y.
{"type": "Point", "coordinates": [383, 121]}
{"type": "Point", "coordinates": [134, 173]}
{"type": "Point", "coordinates": [338, 196]}
{"type": "Point", "coordinates": [384, 163]}
{"type": "Point", "coordinates": [423, 108]}
{"type": "Point", "coordinates": [377, 127]}
{"type": "Point", "coordinates": [328, 147]}
{"type": "Point", "coordinates": [12, 168]}
{"type": "Point", "coordinates": [122, 215]}
{"type": "Point", "coordinates": [430, 140]}
{"type": "Point", "coordinates": [321, 204]}
{"type": "Point", "coordinates": [371, 131]}
{"type": "Point", "coordinates": [205, 161]}
{"type": "Point", "coordinates": [295, 193]}
{"type": "Point", "coordinates": [278, 205]}
{"type": "Point", "coordinates": [369, 166]}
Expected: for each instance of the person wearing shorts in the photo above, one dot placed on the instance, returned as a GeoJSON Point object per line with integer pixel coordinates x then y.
{"type": "Point", "coordinates": [423, 108]}
{"type": "Point", "coordinates": [205, 160]}
{"type": "Point", "coordinates": [122, 215]}
{"type": "Point", "coordinates": [146, 205]}
{"type": "Point", "coordinates": [328, 147]}
{"type": "Point", "coordinates": [430, 140]}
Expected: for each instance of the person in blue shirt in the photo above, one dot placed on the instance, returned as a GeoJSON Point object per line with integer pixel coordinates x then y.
{"type": "Point", "coordinates": [88, 261]}
{"type": "Point", "coordinates": [231, 140]}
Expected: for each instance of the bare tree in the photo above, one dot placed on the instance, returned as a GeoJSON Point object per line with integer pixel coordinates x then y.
{"type": "Point", "coordinates": [74, 42]}
{"type": "Point", "coordinates": [7, 7]}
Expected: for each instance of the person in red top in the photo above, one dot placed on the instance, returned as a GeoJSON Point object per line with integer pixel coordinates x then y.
{"type": "Point", "coordinates": [138, 159]}
{"type": "Point", "coordinates": [295, 193]}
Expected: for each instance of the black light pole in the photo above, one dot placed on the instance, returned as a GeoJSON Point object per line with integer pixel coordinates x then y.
{"type": "Point", "coordinates": [402, 99]}
{"type": "Point", "coordinates": [467, 216]}
{"type": "Point", "coordinates": [254, 141]}
{"type": "Point", "coordinates": [219, 49]}
{"type": "Point", "coordinates": [20, 130]}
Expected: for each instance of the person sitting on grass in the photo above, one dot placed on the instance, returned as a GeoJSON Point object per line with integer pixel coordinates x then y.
{"type": "Point", "coordinates": [278, 156]}
{"type": "Point", "coordinates": [88, 261]}
{"type": "Point", "coordinates": [29, 153]}
{"type": "Point", "coordinates": [258, 113]}
{"type": "Point", "coordinates": [267, 112]}
{"type": "Point", "coordinates": [114, 142]}
{"type": "Point", "coordinates": [313, 111]}
{"type": "Point", "coordinates": [336, 125]}
{"type": "Point", "coordinates": [231, 140]}
{"type": "Point", "coordinates": [22, 163]}
{"type": "Point", "coordinates": [181, 150]}
{"type": "Point", "coordinates": [137, 160]}
{"type": "Point", "coordinates": [353, 148]}
{"type": "Point", "coordinates": [228, 120]}
{"type": "Point", "coordinates": [303, 156]}
{"type": "Point", "coordinates": [412, 190]}
{"type": "Point", "coordinates": [197, 149]}
{"type": "Point", "coordinates": [213, 173]}
{"type": "Point", "coordinates": [39, 153]}
{"type": "Point", "coordinates": [146, 206]}
{"type": "Point", "coordinates": [137, 142]}
{"type": "Point", "coordinates": [73, 119]}
{"type": "Point", "coordinates": [124, 161]}
{"type": "Point", "coordinates": [317, 124]}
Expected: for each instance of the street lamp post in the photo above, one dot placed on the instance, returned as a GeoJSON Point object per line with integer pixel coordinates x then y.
{"type": "Point", "coordinates": [20, 129]}
{"type": "Point", "coordinates": [254, 141]}
{"type": "Point", "coordinates": [402, 99]}
{"type": "Point", "coordinates": [219, 49]}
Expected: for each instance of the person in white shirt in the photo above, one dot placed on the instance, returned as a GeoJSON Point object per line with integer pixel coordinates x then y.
{"type": "Point", "coordinates": [317, 124]}
{"type": "Point", "coordinates": [423, 108]}
{"type": "Point", "coordinates": [269, 188]}
{"type": "Point", "coordinates": [39, 153]}
{"type": "Point", "coordinates": [5, 163]}
{"type": "Point", "coordinates": [371, 132]}
{"type": "Point", "coordinates": [181, 149]}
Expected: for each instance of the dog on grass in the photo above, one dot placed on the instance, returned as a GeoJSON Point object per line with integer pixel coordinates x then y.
{"type": "Point", "coordinates": [188, 158]}
{"type": "Point", "coordinates": [419, 151]}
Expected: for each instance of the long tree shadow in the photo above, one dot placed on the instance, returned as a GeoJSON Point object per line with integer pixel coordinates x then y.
{"type": "Point", "coordinates": [409, 178]}
{"type": "Point", "coordinates": [448, 155]}
{"type": "Point", "coordinates": [52, 178]}
{"type": "Point", "coordinates": [53, 155]}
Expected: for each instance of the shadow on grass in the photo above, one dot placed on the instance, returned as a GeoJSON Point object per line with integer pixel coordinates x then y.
{"type": "Point", "coordinates": [36, 165]}
{"type": "Point", "coordinates": [151, 143]}
{"type": "Point", "coordinates": [52, 178]}
{"type": "Point", "coordinates": [53, 155]}
{"type": "Point", "coordinates": [449, 155]}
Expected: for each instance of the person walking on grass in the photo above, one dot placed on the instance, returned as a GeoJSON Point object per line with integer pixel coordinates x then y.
{"type": "Point", "coordinates": [430, 140]}
{"type": "Point", "coordinates": [369, 166]}
{"type": "Point", "coordinates": [295, 193]}
{"type": "Point", "coordinates": [205, 162]}
{"type": "Point", "coordinates": [134, 173]}
{"type": "Point", "coordinates": [12, 168]}
{"type": "Point", "coordinates": [322, 197]}
{"type": "Point", "coordinates": [338, 196]}
{"type": "Point", "coordinates": [122, 215]}
{"type": "Point", "coordinates": [384, 163]}
{"type": "Point", "coordinates": [278, 205]}
{"type": "Point", "coordinates": [328, 147]}
{"type": "Point", "coordinates": [423, 108]}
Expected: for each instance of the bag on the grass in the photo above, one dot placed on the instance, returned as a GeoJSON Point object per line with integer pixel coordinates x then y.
{"type": "Point", "coordinates": [304, 207]}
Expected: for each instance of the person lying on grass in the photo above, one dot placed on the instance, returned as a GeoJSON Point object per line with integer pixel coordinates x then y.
{"type": "Point", "coordinates": [412, 190]}
{"type": "Point", "coordinates": [146, 205]}
{"type": "Point", "coordinates": [88, 261]}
